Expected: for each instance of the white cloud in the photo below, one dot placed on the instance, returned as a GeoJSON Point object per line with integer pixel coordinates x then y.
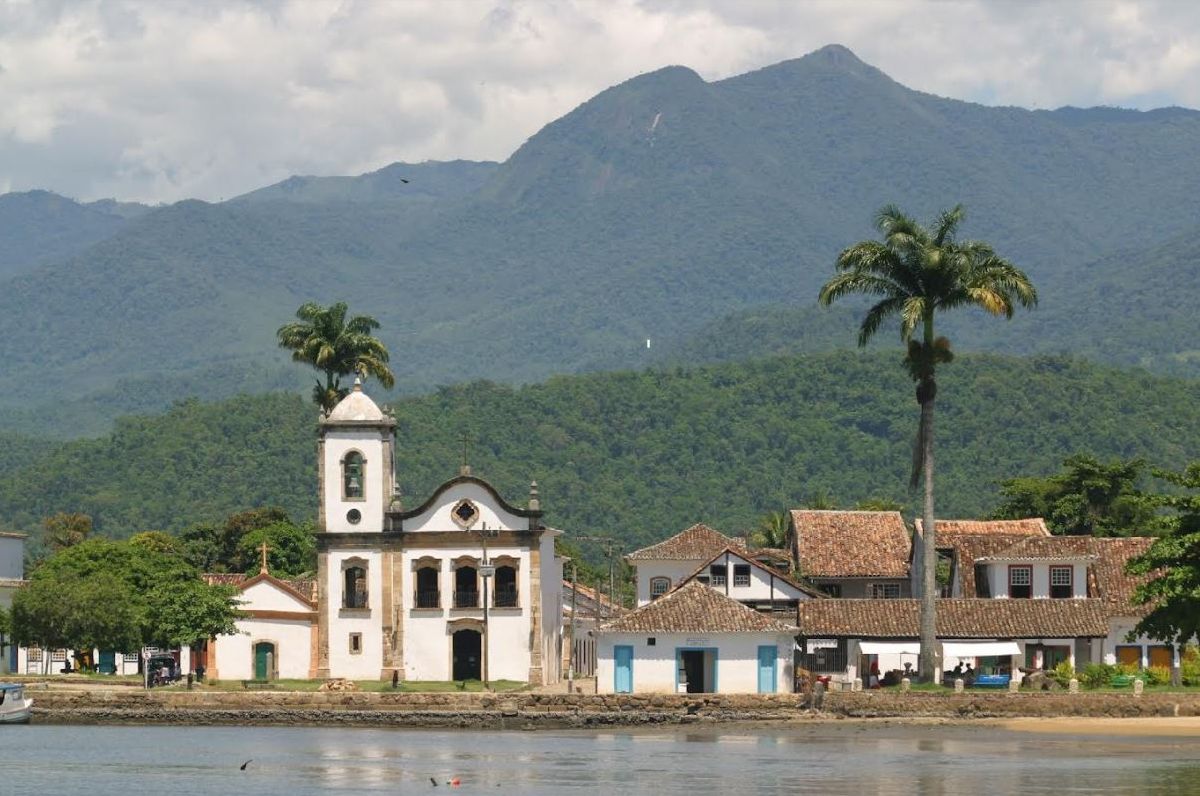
{"type": "Point", "coordinates": [164, 100]}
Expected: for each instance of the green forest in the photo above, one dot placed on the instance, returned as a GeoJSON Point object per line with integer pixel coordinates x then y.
{"type": "Point", "coordinates": [638, 455]}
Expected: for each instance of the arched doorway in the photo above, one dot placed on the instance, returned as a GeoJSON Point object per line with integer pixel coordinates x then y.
{"type": "Point", "coordinates": [265, 659]}
{"type": "Point", "coordinates": [467, 659]}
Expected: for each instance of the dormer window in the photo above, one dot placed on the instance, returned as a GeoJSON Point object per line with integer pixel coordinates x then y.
{"type": "Point", "coordinates": [659, 587]}
{"type": "Point", "coordinates": [1062, 582]}
{"type": "Point", "coordinates": [1020, 581]}
{"type": "Point", "coordinates": [352, 476]}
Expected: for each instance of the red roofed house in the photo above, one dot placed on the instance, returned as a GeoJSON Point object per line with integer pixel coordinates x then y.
{"type": "Point", "coordinates": [852, 554]}
{"type": "Point", "coordinates": [662, 566]}
{"type": "Point", "coordinates": [694, 639]}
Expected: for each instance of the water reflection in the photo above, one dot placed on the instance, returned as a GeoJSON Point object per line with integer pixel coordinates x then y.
{"type": "Point", "coordinates": [837, 760]}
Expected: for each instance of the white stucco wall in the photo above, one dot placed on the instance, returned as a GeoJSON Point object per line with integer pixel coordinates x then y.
{"type": "Point", "coordinates": [998, 578]}
{"type": "Point", "coordinates": [368, 664]}
{"type": "Point", "coordinates": [437, 516]}
{"type": "Point", "coordinates": [12, 556]}
{"type": "Point", "coordinates": [293, 645]}
{"type": "Point", "coordinates": [675, 570]}
{"type": "Point", "coordinates": [376, 482]}
{"type": "Point", "coordinates": [1118, 631]}
{"type": "Point", "coordinates": [654, 667]}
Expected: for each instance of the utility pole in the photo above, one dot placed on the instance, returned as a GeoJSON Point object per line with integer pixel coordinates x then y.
{"type": "Point", "coordinates": [574, 603]}
{"type": "Point", "coordinates": [610, 545]}
{"type": "Point", "coordinates": [486, 570]}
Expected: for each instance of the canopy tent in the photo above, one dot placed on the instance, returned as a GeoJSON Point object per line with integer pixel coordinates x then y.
{"type": "Point", "coordinates": [889, 647]}
{"type": "Point", "coordinates": [979, 649]}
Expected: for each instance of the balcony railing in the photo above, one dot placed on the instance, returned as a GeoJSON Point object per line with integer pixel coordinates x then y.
{"type": "Point", "coordinates": [428, 599]}
{"type": "Point", "coordinates": [505, 598]}
{"type": "Point", "coordinates": [466, 599]}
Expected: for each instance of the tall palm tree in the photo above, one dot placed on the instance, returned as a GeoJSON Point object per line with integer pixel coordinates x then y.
{"type": "Point", "coordinates": [916, 272]}
{"type": "Point", "coordinates": [325, 339]}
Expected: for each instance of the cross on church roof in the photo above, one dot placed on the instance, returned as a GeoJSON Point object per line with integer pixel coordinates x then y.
{"type": "Point", "coordinates": [465, 469]}
{"type": "Point", "coordinates": [264, 549]}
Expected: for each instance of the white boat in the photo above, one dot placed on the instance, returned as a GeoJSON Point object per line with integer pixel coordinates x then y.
{"type": "Point", "coordinates": [14, 707]}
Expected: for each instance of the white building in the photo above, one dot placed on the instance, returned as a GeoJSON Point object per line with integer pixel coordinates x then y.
{"type": "Point", "coordinates": [12, 570]}
{"type": "Point", "coordinates": [663, 566]}
{"type": "Point", "coordinates": [694, 639]}
{"type": "Point", "coordinates": [464, 586]}
{"type": "Point", "coordinates": [276, 636]}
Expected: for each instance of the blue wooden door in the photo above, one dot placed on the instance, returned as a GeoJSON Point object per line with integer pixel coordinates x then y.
{"type": "Point", "coordinates": [623, 656]}
{"type": "Point", "coordinates": [766, 670]}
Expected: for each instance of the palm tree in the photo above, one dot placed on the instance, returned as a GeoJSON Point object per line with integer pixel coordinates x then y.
{"type": "Point", "coordinates": [325, 339]}
{"type": "Point", "coordinates": [772, 531]}
{"type": "Point", "coordinates": [916, 272]}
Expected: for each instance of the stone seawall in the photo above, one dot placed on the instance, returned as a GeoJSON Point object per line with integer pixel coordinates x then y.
{"type": "Point", "coordinates": [552, 711]}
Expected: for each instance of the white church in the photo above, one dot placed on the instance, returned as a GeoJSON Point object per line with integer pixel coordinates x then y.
{"type": "Point", "coordinates": [465, 586]}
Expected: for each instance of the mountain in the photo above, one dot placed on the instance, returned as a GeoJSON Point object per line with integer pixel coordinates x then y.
{"type": "Point", "coordinates": [427, 181]}
{"type": "Point", "coordinates": [39, 226]}
{"type": "Point", "coordinates": [635, 454]}
{"type": "Point", "coordinates": [654, 210]}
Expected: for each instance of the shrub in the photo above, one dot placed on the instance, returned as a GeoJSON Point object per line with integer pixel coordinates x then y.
{"type": "Point", "coordinates": [1190, 665]}
{"type": "Point", "coordinates": [1062, 673]}
{"type": "Point", "coordinates": [1097, 675]}
{"type": "Point", "coordinates": [1156, 675]}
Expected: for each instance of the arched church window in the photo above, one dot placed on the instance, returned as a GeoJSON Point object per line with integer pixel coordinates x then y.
{"type": "Point", "coordinates": [354, 591]}
{"type": "Point", "coordinates": [353, 474]}
{"type": "Point", "coordinates": [506, 586]}
{"type": "Point", "coordinates": [428, 594]}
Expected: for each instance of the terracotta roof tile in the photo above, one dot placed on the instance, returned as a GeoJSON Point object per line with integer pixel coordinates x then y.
{"type": "Point", "coordinates": [304, 587]}
{"type": "Point", "coordinates": [850, 544]}
{"type": "Point", "coordinates": [1054, 548]}
{"type": "Point", "coordinates": [968, 549]}
{"type": "Point", "coordinates": [956, 618]}
{"type": "Point", "coordinates": [693, 544]}
{"type": "Point", "coordinates": [696, 608]}
{"type": "Point", "coordinates": [1032, 526]}
{"type": "Point", "coordinates": [1113, 584]}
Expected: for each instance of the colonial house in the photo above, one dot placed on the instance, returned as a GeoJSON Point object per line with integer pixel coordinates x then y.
{"type": "Point", "coordinates": [999, 560]}
{"type": "Point", "coordinates": [694, 639]}
{"type": "Point", "coordinates": [849, 639]}
{"type": "Point", "coordinates": [663, 566]}
{"type": "Point", "coordinates": [739, 575]}
{"type": "Point", "coordinates": [464, 586]}
{"type": "Point", "coordinates": [852, 554]}
{"type": "Point", "coordinates": [276, 636]}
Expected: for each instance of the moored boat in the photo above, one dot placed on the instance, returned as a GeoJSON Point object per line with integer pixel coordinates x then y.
{"type": "Point", "coordinates": [15, 708]}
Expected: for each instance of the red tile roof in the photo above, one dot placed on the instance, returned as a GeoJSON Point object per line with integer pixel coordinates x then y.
{"type": "Point", "coordinates": [1053, 548]}
{"type": "Point", "coordinates": [956, 618]}
{"type": "Point", "coordinates": [1113, 584]}
{"type": "Point", "coordinates": [968, 549]}
{"type": "Point", "coordinates": [850, 544]}
{"type": "Point", "coordinates": [1032, 526]}
{"type": "Point", "coordinates": [696, 608]}
{"type": "Point", "coordinates": [305, 588]}
{"type": "Point", "coordinates": [692, 544]}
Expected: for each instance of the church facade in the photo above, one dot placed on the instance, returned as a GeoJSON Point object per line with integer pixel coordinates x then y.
{"type": "Point", "coordinates": [464, 586]}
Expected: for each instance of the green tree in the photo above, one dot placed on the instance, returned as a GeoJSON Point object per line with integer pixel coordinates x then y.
{"type": "Point", "coordinates": [915, 272]}
{"type": "Point", "coordinates": [1088, 498]}
{"type": "Point", "coordinates": [5, 627]}
{"type": "Point", "coordinates": [772, 530]}
{"type": "Point", "coordinates": [217, 548]}
{"type": "Point", "coordinates": [326, 340]}
{"type": "Point", "coordinates": [1173, 564]}
{"type": "Point", "coordinates": [118, 595]}
{"type": "Point", "coordinates": [65, 529]}
{"type": "Point", "coordinates": [291, 550]}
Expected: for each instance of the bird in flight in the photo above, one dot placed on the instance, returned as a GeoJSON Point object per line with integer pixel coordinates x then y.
{"type": "Point", "coordinates": [242, 767]}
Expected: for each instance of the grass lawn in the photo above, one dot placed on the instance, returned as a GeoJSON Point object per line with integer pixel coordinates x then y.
{"type": "Point", "coordinates": [406, 686]}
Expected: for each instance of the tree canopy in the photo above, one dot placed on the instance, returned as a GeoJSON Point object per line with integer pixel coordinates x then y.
{"type": "Point", "coordinates": [1089, 497]}
{"type": "Point", "coordinates": [325, 339]}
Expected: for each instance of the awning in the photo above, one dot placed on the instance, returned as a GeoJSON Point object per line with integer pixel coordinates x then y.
{"type": "Point", "coordinates": [889, 647]}
{"type": "Point", "coordinates": [978, 649]}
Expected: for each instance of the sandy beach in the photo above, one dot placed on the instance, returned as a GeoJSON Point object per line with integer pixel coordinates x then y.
{"type": "Point", "coordinates": [1152, 726]}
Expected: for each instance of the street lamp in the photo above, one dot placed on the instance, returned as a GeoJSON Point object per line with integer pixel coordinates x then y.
{"type": "Point", "coordinates": [486, 570]}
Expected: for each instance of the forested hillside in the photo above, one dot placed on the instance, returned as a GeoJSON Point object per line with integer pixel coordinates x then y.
{"type": "Point", "coordinates": [657, 208]}
{"type": "Point", "coordinates": [639, 455]}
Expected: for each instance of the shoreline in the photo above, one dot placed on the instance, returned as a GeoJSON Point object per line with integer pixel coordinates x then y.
{"type": "Point", "coordinates": [1092, 714]}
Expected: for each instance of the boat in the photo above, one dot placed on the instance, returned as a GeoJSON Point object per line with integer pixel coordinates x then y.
{"type": "Point", "coordinates": [14, 707]}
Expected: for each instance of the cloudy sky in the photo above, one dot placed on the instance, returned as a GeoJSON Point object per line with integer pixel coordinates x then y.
{"type": "Point", "coordinates": [158, 101]}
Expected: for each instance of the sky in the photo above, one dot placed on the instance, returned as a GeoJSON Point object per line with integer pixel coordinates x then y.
{"type": "Point", "coordinates": [161, 101]}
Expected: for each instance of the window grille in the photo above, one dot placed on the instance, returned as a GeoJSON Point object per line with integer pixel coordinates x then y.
{"type": "Point", "coordinates": [1061, 582]}
{"type": "Point", "coordinates": [659, 587]}
{"type": "Point", "coordinates": [717, 572]}
{"type": "Point", "coordinates": [741, 574]}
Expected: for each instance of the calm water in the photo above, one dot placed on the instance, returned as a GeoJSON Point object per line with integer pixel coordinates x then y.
{"type": "Point", "coordinates": [843, 759]}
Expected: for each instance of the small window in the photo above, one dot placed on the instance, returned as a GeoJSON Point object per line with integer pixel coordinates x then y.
{"type": "Point", "coordinates": [659, 587]}
{"type": "Point", "coordinates": [354, 516]}
{"type": "Point", "coordinates": [741, 574]}
{"type": "Point", "coordinates": [832, 589]}
{"type": "Point", "coordinates": [885, 591]}
{"type": "Point", "coordinates": [1061, 582]}
{"type": "Point", "coordinates": [33, 655]}
{"type": "Point", "coordinates": [356, 643]}
{"type": "Point", "coordinates": [703, 579]}
{"type": "Point", "coordinates": [650, 642]}
{"type": "Point", "coordinates": [352, 476]}
{"type": "Point", "coordinates": [1020, 581]}
{"type": "Point", "coordinates": [58, 656]}
{"type": "Point", "coordinates": [354, 594]}
{"type": "Point", "coordinates": [718, 573]}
